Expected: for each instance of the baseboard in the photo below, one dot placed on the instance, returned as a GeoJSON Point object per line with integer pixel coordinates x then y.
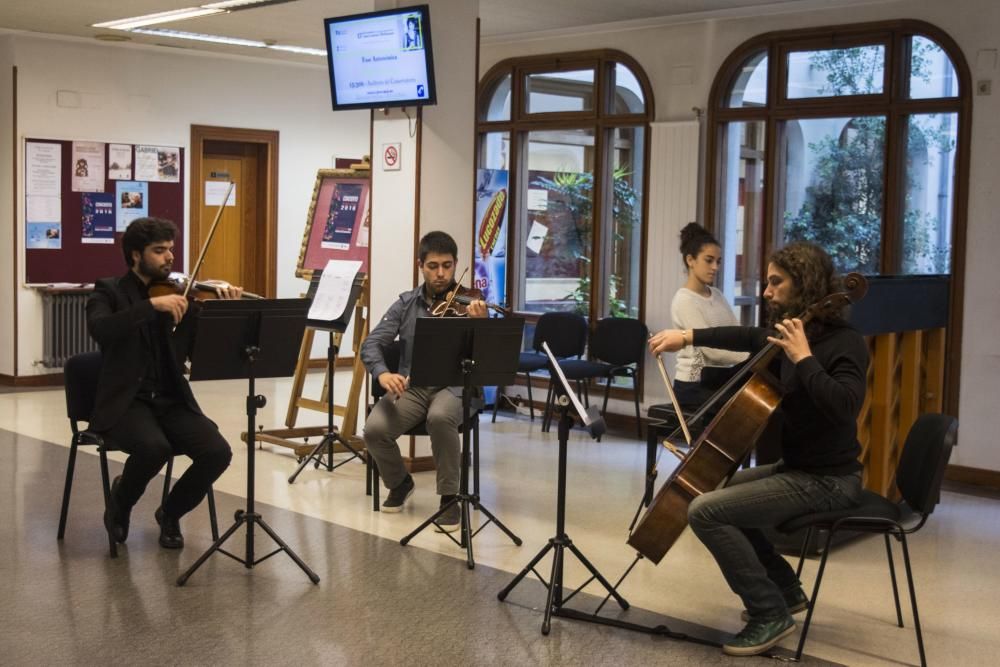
{"type": "Point", "coordinates": [47, 380]}
{"type": "Point", "coordinates": [989, 479]}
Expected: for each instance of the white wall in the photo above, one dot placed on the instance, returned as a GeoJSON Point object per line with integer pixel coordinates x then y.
{"type": "Point", "coordinates": [7, 284]}
{"type": "Point", "coordinates": [153, 95]}
{"type": "Point", "coordinates": [702, 46]}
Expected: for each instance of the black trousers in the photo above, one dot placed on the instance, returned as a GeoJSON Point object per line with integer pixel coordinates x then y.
{"type": "Point", "coordinates": [151, 431]}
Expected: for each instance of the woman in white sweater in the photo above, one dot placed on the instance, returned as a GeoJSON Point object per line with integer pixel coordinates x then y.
{"type": "Point", "coordinates": [699, 305]}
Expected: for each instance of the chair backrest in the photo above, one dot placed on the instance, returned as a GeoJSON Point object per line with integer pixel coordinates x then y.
{"type": "Point", "coordinates": [390, 353]}
{"type": "Point", "coordinates": [619, 341]}
{"type": "Point", "coordinates": [80, 374]}
{"type": "Point", "coordinates": [566, 334]}
{"type": "Point", "coordinates": [924, 459]}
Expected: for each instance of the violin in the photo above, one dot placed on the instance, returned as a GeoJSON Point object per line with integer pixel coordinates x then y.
{"type": "Point", "coordinates": [456, 302]}
{"type": "Point", "coordinates": [177, 283]}
{"type": "Point", "coordinates": [716, 454]}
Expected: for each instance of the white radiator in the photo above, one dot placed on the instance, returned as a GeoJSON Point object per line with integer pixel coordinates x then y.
{"type": "Point", "coordinates": [64, 324]}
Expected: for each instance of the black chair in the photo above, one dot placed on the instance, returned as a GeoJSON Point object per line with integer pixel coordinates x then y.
{"type": "Point", "coordinates": [918, 477]}
{"type": "Point", "coordinates": [566, 334]}
{"type": "Point", "coordinates": [617, 347]}
{"type": "Point", "coordinates": [391, 355]}
{"type": "Point", "coordinates": [81, 373]}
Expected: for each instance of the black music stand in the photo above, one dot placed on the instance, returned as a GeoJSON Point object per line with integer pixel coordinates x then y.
{"type": "Point", "coordinates": [248, 339]}
{"type": "Point", "coordinates": [594, 423]}
{"type": "Point", "coordinates": [332, 327]}
{"type": "Point", "coordinates": [466, 351]}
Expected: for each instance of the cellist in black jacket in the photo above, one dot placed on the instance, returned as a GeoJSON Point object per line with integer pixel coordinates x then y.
{"type": "Point", "coordinates": [144, 404]}
{"type": "Point", "coordinates": [822, 378]}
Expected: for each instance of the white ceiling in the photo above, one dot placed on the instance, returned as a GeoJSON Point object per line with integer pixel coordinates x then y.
{"type": "Point", "coordinates": [300, 23]}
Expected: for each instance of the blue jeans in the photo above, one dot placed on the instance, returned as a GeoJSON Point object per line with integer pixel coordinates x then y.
{"type": "Point", "coordinates": [729, 522]}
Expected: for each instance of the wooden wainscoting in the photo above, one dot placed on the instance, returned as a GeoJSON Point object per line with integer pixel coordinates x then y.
{"type": "Point", "coordinates": [905, 379]}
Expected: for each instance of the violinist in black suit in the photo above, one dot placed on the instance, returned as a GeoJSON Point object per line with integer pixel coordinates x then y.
{"type": "Point", "coordinates": [144, 404]}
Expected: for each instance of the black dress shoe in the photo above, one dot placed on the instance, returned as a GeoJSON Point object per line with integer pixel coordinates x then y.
{"type": "Point", "coordinates": [116, 519]}
{"type": "Point", "coordinates": [170, 531]}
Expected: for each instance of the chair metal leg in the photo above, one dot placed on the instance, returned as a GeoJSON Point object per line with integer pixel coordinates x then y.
{"type": "Point", "coordinates": [635, 398]}
{"type": "Point", "coordinates": [815, 596]}
{"type": "Point", "coordinates": [549, 400]}
{"type": "Point", "coordinates": [107, 499]}
{"type": "Point", "coordinates": [892, 576]}
{"type": "Point", "coordinates": [496, 402]}
{"type": "Point", "coordinates": [372, 473]}
{"type": "Point", "coordinates": [166, 481]}
{"type": "Point", "coordinates": [607, 393]}
{"type": "Point", "coordinates": [531, 401]}
{"type": "Point", "coordinates": [212, 517]}
{"type": "Point", "coordinates": [802, 551]}
{"type": "Point", "coordinates": [67, 489]}
{"type": "Point", "coordinates": [913, 599]}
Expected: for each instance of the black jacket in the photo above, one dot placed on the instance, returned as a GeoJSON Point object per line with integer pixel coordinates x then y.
{"type": "Point", "coordinates": [821, 395]}
{"type": "Point", "coordinates": [117, 318]}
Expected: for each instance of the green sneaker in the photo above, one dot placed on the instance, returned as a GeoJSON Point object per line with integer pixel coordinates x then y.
{"type": "Point", "coordinates": [759, 635]}
{"type": "Point", "coordinates": [795, 600]}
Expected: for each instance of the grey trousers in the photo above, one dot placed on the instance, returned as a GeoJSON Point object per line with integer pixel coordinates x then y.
{"type": "Point", "coordinates": [389, 419]}
{"type": "Point", "coordinates": [729, 522]}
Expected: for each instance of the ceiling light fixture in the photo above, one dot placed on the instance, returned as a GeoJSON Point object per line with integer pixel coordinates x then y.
{"type": "Point", "coordinates": [215, 39]}
{"type": "Point", "coordinates": [159, 17]}
{"type": "Point", "coordinates": [236, 5]}
{"type": "Point", "coordinates": [298, 49]}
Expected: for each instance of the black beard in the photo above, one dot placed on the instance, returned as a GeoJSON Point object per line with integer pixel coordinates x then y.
{"type": "Point", "coordinates": [777, 312]}
{"type": "Point", "coordinates": [153, 273]}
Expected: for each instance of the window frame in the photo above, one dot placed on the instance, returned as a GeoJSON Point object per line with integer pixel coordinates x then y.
{"type": "Point", "coordinates": [895, 104]}
{"type": "Point", "coordinates": [600, 119]}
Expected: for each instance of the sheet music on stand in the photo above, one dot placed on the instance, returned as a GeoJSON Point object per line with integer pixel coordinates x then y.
{"type": "Point", "coordinates": [334, 291]}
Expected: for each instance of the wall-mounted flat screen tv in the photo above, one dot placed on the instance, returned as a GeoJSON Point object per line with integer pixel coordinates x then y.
{"type": "Point", "coordinates": [381, 59]}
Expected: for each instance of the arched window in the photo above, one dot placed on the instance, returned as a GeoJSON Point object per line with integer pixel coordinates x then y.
{"type": "Point", "coordinates": [569, 133]}
{"type": "Point", "coordinates": [853, 137]}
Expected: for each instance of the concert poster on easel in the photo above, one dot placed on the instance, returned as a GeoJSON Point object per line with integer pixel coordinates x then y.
{"type": "Point", "coordinates": [338, 224]}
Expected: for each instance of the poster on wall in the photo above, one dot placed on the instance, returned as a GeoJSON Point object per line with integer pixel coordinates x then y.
{"type": "Point", "coordinates": [491, 234]}
{"type": "Point", "coordinates": [43, 196]}
{"type": "Point", "coordinates": [133, 202]}
{"type": "Point", "coordinates": [42, 164]}
{"type": "Point", "coordinates": [338, 224]}
{"type": "Point", "coordinates": [44, 236]}
{"type": "Point", "coordinates": [120, 162]}
{"type": "Point", "coordinates": [157, 163]}
{"type": "Point", "coordinates": [88, 166]}
{"type": "Point", "coordinates": [97, 217]}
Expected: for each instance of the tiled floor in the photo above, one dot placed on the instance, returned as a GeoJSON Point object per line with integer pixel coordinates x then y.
{"type": "Point", "coordinates": [953, 555]}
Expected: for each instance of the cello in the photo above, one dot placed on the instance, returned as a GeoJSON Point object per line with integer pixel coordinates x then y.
{"type": "Point", "coordinates": [720, 449]}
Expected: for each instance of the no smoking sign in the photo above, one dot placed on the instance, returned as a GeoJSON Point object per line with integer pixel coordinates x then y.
{"type": "Point", "coordinates": [391, 156]}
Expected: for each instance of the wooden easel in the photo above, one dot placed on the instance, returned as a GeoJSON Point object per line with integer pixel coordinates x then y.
{"type": "Point", "coordinates": [283, 436]}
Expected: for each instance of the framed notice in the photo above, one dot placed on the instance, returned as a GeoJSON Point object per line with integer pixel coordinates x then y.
{"type": "Point", "coordinates": [338, 226]}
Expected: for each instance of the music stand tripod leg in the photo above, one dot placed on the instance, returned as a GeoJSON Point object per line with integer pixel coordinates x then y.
{"type": "Point", "coordinates": [332, 435]}
{"type": "Point", "coordinates": [561, 541]}
{"type": "Point", "coordinates": [466, 500]}
{"type": "Point", "coordinates": [249, 516]}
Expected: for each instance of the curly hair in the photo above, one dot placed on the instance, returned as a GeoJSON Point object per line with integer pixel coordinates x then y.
{"type": "Point", "coordinates": [812, 272]}
{"type": "Point", "coordinates": [143, 231]}
{"type": "Point", "coordinates": [694, 237]}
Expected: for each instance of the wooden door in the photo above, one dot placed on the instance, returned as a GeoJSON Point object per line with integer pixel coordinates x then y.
{"type": "Point", "coordinates": [233, 251]}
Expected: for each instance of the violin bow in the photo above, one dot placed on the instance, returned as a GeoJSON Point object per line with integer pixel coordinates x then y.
{"type": "Point", "coordinates": [208, 239]}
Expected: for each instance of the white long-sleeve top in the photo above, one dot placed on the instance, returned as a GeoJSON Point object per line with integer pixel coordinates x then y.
{"type": "Point", "coordinates": [690, 310]}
